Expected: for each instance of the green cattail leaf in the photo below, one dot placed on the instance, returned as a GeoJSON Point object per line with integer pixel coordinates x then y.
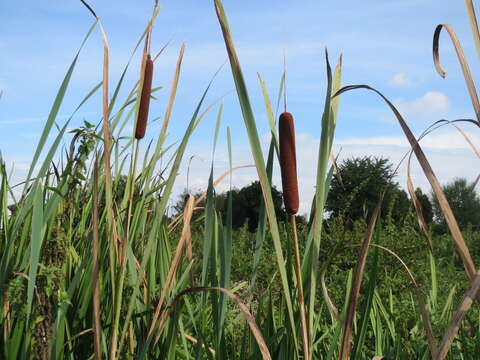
{"type": "Point", "coordinates": [281, 91]}
{"type": "Point", "coordinates": [366, 310]}
{"type": "Point", "coordinates": [337, 83]}
{"type": "Point", "coordinates": [262, 223]}
{"type": "Point", "coordinates": [268, 107]}
{"type": "Point", "coordinates": [36, 239]}
{"type": "Point", "coordinates": [254, 140]}
{"type": "Point", "coordinates": [217, 128]}
{"type": "Point", "coordinates": [225, 250]}
{"type": "Point", "coordinates": [160, 208]}
{"type": "Point", "coordinates": [229, 144]}
{"type": "Point", "coordinates": [321, 190]}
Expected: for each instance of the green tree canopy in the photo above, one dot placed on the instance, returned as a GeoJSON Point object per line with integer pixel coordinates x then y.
{"type": "Point", "coordinates": [463, 200]}
{"type": "Point", "coordinates": [246, 205]}
{"type": "Point", "coordinates": [426, 204]}
{"type": "Point", "coordinates": [356, 192]}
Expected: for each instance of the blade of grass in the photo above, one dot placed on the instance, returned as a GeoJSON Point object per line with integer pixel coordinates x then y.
{"type": "Point", "coordinates": [345, 344]}
{"type": "Point", "coordinates": [474, 25]}
{"type": "Point", "coordinates": [225, 249]}
{"type": "Point", "coordinates": [171, 99]}
{"type": "Point", "coordinates": [256, 332]}
{"type": "Point", "coordinates": [428, 171]}
{"type": "Point", "coordinates": [367, 306]}
{"type": "Point", "coordinates": [262, 217]}
{"type": "Point", "coordinates": [268, 108]}
{"type": "Point", "coordinates": [97, 326]}
{"type": "Point", "coordinates": [250, 125]}
{"type": "Point", "coordinates": [454, 325]}
{"type": "Point", "coordinates": [322, 181]}
{"type": "Point", "coordinates": [463, 63]}
{"type": "Point", "coordinates": [160, 208]}
{"type": "Point", "coordinates": [37, 233]}
{"type": "Point", "coordinates": [169, 282]}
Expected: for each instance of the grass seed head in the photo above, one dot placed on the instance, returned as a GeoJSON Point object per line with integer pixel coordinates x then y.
{"type": "Point", "coordinates": [144, 99]}
{"type": "Point", "coordinates": [288, 163]}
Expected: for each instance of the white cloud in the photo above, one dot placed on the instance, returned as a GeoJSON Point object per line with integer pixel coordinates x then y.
{"type": "Point", "coordinates": [445, 140]}
{"type": "Point", "coordinates": [375, 140]}
{"type": "Point", "coordinates": [446, 163]}
{"type": "Point", "coordinates": [432, 106]}
{"type": "Point", "coordinates": [401, 80]}
{"type": "Point", "coordinates": [428, 106]}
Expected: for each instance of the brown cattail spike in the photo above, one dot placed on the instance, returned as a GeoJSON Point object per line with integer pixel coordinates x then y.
{"type": "Point", "coordinates": [288, 163]}
{"type": "Point", "coordinates": [144, 99]}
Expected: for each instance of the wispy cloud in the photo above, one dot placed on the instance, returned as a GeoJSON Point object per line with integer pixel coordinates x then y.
{"type": "Point", "coordinates": [401, 80]}
{"type": "Point", "coordinates": [444, 140]}
{"type": "Point", "coordinates": [429, 105]}
{"type": "Point", "coordinates": [22, 121]}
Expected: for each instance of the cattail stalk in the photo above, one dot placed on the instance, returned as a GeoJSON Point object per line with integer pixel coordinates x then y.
{"type": "Point", "coordinates": [97, 325]}
{"type": "Point", "coordinates": [144, 99]}
{"type": "Point", "coordinates": [288, 167]}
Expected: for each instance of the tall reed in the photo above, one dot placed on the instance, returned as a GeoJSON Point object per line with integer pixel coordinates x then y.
{"type": "Point", "coordinates": [288, 168]}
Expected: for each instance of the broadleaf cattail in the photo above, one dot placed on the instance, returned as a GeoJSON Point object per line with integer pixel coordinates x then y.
{"type": "Point", "coordinates": [144, 99]}
{"type": "Point", "coordinates": [288, 167]}
{"type": "Point", "coordinates": [288, 163]}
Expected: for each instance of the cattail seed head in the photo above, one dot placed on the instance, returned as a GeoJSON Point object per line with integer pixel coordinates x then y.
{"type": "Point", "coordinates": [288, 163]}
{"type": "Point", "coordinates": [144, 99]}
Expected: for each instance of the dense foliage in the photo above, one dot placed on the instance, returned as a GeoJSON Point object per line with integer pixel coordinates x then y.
{"type": "Point", "coordinates": [355, 193]}
{"type": "Point", "coordinates": [246, 205]}
{"type": "Point", "coordinates": [91, 266]}
{"type": "Point", "coordinates": [465, 204]}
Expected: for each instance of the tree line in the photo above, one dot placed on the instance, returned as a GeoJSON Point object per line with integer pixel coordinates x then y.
{"type": "Point", "coordinates": [354, 193]}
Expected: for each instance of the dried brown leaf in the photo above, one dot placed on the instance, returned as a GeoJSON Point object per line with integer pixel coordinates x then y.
{"type": "Point", "coordinates": [463, 63]}
{"type": "Point", "coordinates": [345, 345]}
{"type": "Point", "coordinates": [97, 325]}
{"type": "Point", "coordinates": [169, 281]}
{"type": "Point", "coordinates": [173, 92]}
{"type": "Point", "coordinates": [338, 174]}
{"type": "Point", "coordinates": [454, 325]}
{"type": "Point", "coordinates": [427, 324]}
{"type": "Point", "coordinates": [457, 236]}
{"type": "Point", "coordinates": [331, 306]}
{"type": "Point", "coordinates": [241, 306]}
{"type": "Point", "coordinates": [217, 181]}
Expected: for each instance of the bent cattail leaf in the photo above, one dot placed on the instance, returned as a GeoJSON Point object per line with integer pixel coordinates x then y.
{"type": "Point", "coordinates": [288, 163]}
{"type": "Point", "coordinates": [144, 99]}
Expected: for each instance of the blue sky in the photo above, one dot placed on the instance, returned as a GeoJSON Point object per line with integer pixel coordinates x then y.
{"type": "Point", "coordinates": [386, 44]}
